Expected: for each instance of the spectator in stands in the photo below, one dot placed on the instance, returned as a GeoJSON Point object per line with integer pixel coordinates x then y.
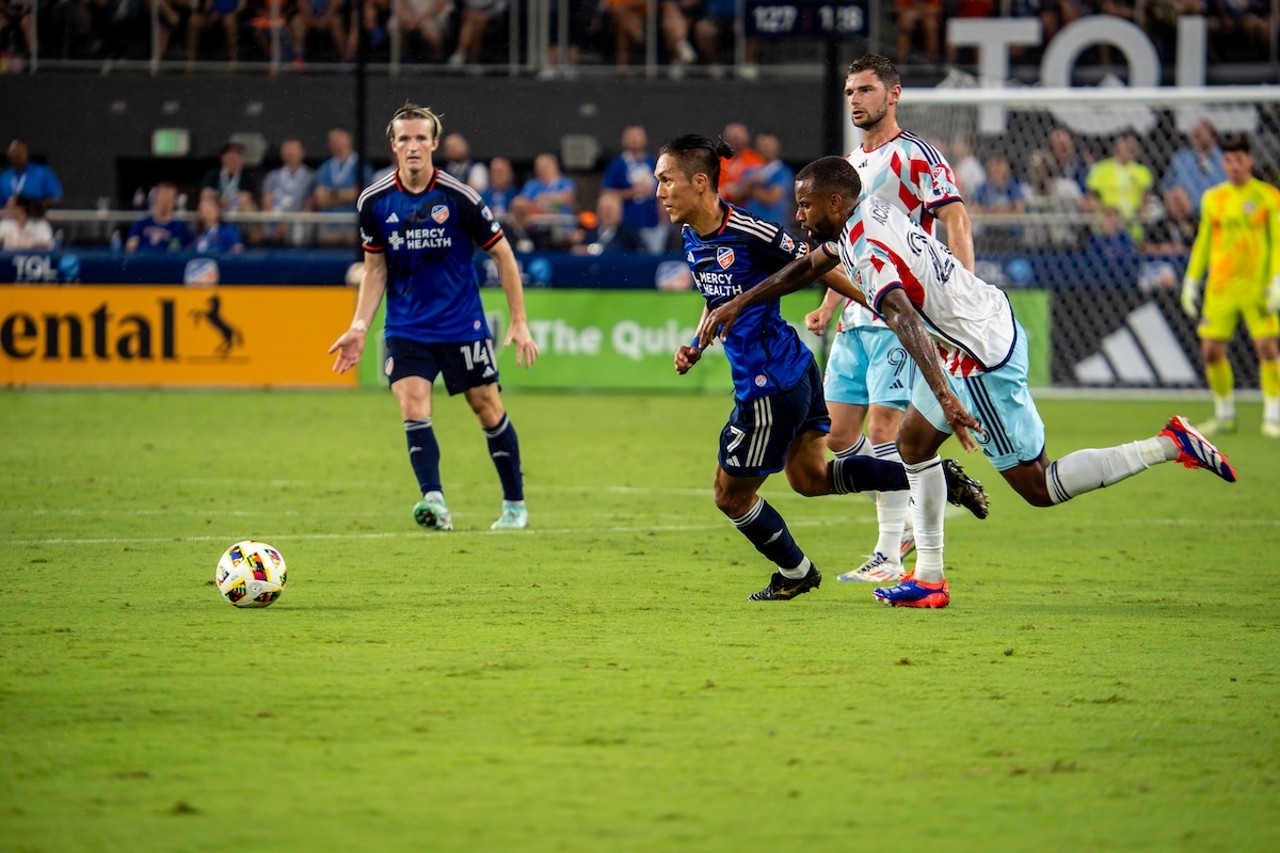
{"type": "Point", "coordinates": [628, 178]}
{"type": "Point", "coordinates": [476, 16]}
{"type": "Point", "coordinates": [1112, 253]}
{"type": "Point", "coordinates": [502, 188]}
{"type": "Point", "coordinates": [230, 182]}
{"type": "Point", "coordinates": [1000, 193]}
{"type": "Point", "coordinates": [1175, 233]}
{"type": "Point", "coordinates": [580, 18]}
{"type": "Point", "coordinates": [24, 225]}
{"type": "Point", "coordinates": [965, 164]}
{"type": "Point", "coordinates": [1239, 28]}
{"type": "Point", "coordinates": [771, 187]}
{"type": "Point", "coordinates": [1056, 186]}
{"type": "Point", "coordinates": [458, 162]}
{"type": "Point", "coordinates": [734, 169]}
{"type": "Point", "coordinates": [547, 204]}
{"type": "Point", "coordinates": [325, 16]}
{"type": "Point", "coordinates": [611, 232]}
{"type": "Point", "coordinates": [206, 14]}
{"type": "Point", "coordinates": [967, 9]}
{"type": "Point", "coordinates": [925, 14]}
{"type": "Point", "coordinates": [15, 30]}
{"type": "Point", "coordinates": [425, 23]}
{"type": "Point", "coordinates": [25, 178]}
{"type": "Point", "coordinates": [1196, 166]}
{"type": "Point", "coordinates": [1121, 182]}
{"type": "Point", "coordinates": [288, 190]}
{"type": "Point", "coordinates": [338, 185]}
{"type": "Point", "coordinates": [628, 24]}
{"type": "Point", "coordinates": [1056, 162]}
{"type": "Point", "coordinates": [213, 236]}
{"type": "Point", "coordinates": [713, 33]}
{"type": "Point", "coordinates": [160, 231]}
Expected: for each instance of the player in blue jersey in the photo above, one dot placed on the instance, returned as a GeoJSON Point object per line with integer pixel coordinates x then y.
{"type": "Point", "coordinates": [418, 226]}
{"type": "Point", "coordinates": [972, 354]}
{"type": "Point", "coordinates": [779, 420]}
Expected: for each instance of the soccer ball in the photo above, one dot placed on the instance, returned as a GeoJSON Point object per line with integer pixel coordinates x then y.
{"type": "Point", "coordinates": [251, 574]}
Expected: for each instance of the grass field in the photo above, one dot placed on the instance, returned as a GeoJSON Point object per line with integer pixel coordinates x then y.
{"type": "Point", "coordinates": [1107, 677]}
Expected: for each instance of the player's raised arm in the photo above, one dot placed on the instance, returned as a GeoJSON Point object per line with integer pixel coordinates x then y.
{"type": "Point", "coordinates": [518, 329]}
{"type": "Point", "coordinates": [902, 317]}
{"type": "Point", "coordinates": [789, 279]}
{"type": "Point", "coordinates": [373, 284]}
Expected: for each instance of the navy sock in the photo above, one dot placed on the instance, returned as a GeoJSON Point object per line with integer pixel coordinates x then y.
{"type": "Point", "coordinates": [768, 532]}
{"type": "Point", "coordinates": [504, 449]}
{"type": "Point", "coordinates": [860, 473]}
{"type": "Point", "coordinates": [424, 454]}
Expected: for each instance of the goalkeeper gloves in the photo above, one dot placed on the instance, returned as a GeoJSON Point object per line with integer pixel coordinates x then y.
{"type": "Point", "coordinates": [1190, 297]}
{"type": "Point", "coordinates": [1273, 295]}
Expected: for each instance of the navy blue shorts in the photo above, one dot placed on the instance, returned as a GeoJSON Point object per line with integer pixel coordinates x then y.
{"type": "Point", "coordinates": [759, 433]}
{"type": "Point", "coordinates": [464, 365]}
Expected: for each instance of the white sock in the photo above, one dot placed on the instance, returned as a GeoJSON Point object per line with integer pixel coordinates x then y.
{"type": "Point", "coordinates": [929, 501]}
{"type": "Point", "coordinates": [1096, 468]}
{"type": "Point", "coordinates": [798, 572]}
{"type": "Point", "coordinates": [1224, 408]}
{"type": "Point", "coordinates": [433, 496]}
{"type": "Point", "coordinates": [892, 509]}
{"type": "Point", "coordinates": [1271, 409]}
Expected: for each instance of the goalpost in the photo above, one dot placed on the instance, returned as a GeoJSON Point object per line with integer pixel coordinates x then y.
{"type": "Point", "coordinates": [1109, 305]}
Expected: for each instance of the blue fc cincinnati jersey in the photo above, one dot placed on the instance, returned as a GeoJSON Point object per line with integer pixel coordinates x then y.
{"type": "Point", "coordinates": [428, 238]}
{"type": "Point", "coordinates": [765, 354]}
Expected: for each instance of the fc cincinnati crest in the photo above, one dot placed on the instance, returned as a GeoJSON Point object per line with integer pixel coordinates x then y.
{"type": "Point", "coordinates": [724, 257]}
{"type": "Point", "coordinates": [787, 243]}
{"type": "Point", "coordinates": [440, 213]}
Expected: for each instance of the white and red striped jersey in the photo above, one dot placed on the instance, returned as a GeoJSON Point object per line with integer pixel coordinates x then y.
{"type": "Point", "coordinates": [970, 321]}
{"type": "Point", "coordinates": [911, 175]}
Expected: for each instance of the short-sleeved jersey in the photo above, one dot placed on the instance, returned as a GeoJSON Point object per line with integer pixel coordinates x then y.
{"type": "Point", "coordinates": [911, 175]}
{"type": "Point", "coordinates": [155, 236]}
{"type": "Point", "coordinates": [1238, 241]}
{"type": "Point", "coordinates": [428, 238]}
{"type": "Point", "coordinates": [765, 354]}
{"type": "Point", "coordinates": [36, 181]}
{"type": "Point", "coordinates": [971, 321]}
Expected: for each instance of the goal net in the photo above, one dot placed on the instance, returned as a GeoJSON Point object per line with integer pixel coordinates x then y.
{"type": "Point", "coordinates": [1105, 263]}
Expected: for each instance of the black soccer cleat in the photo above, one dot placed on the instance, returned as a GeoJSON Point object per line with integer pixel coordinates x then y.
{"type": "Point", "coordinates": [963, 490]}
{"type": "Point", "coordinates": [783, 588]}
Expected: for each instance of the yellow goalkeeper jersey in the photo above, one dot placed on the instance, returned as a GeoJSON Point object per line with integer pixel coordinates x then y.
{"type": "Point", "coordinates": [1238, 241]}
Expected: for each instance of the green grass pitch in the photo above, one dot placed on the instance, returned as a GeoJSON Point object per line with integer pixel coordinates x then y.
{"type": "Point", "coordinates": [1106, 678]}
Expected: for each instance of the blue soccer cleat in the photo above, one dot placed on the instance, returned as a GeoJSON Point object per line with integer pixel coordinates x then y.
{"type": "Point", "coordinates": [913, 593]}
{"type": "Point", "coordinates": [432, 514]}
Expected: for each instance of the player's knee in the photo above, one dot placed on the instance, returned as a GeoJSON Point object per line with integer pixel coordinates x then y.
{"type": "Point", "coordinates": [732, 504]}
{"type": "Point", "coordinates": [809, 482]}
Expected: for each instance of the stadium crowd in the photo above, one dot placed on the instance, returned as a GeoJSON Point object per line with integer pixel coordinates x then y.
{"type": "Point", "coordinates": [472, 32]}
{"type": "Point", "coordinates": [1097, 196]}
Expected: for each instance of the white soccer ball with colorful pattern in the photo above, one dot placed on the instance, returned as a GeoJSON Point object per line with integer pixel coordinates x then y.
{"type": "Point", "coordinates": [251, 574]}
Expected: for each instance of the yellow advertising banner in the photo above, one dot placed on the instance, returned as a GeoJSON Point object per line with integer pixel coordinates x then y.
{"type": "Point", "coordinates": [172, 336]}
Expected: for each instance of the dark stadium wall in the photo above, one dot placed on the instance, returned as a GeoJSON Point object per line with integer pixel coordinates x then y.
{"type": "Point", "coordinates": [85, 126]}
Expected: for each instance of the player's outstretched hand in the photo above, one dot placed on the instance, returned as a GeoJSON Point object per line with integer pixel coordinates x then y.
{"type": "Point", "coordinates": [817, 321]}
{"type": "Point", "coordinates": [960, 421]}
{"type": "Point", "coordinates": [687, 357]}
{"type": "Point", "coordinates": [526, 347]}
{"type": "Point", "coordinates": [349, 347]}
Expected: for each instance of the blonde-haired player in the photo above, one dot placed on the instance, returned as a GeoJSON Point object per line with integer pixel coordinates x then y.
{"type": "Point", "coordinates": [1238, 243]}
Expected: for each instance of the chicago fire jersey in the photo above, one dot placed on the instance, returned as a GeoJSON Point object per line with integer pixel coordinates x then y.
{"type": "Point", "coordinates": [971, 321]}
{"type": "Point", "coordinates": [911, 175]}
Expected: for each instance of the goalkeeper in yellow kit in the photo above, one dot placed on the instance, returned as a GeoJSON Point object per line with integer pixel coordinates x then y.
{"type": "Point", "coordinates": [1238, 243]}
